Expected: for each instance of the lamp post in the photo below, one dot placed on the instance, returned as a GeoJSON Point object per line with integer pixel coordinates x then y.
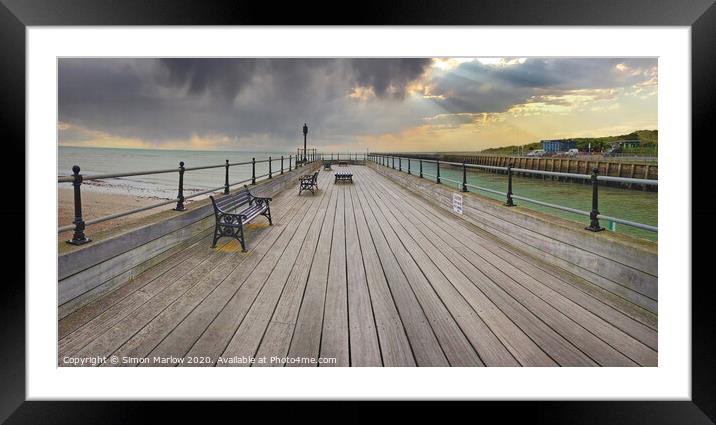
{"type": "Point", "coordinates": [305, 133]}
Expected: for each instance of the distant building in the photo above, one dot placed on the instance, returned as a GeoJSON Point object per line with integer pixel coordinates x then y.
{"type": "Point", "coordinates": [558, 145]}
{"type": "Point", "coordinates": [626, 144]}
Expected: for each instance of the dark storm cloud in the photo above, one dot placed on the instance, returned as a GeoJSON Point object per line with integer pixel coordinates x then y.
{"type": "Point", "coordinates": [227, 77]}
{"type": "Point", "coordinates": [219, 77]}
{"type": "Point", "coordinates": [383, 74]}
{"type": "Point", "coordinates": [165, 99]}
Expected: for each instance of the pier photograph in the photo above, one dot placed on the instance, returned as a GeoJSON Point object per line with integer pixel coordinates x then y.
{"type": "Point", "coordinates": [357, 212]}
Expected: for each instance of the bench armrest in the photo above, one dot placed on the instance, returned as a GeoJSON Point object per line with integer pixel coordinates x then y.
{"type": "Point", "coordinates": [259, 200]}
{"type": "Point", "coordinates": [234, 218]}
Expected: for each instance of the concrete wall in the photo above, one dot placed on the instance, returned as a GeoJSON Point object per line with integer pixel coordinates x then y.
{"type": "Point", "coordinates": [622, 265]}
{"type": "Point", "coordinates": [91, 270]}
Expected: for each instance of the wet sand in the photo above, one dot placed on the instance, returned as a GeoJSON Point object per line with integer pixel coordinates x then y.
{"type": "Point", "coordinates": [99, 204]}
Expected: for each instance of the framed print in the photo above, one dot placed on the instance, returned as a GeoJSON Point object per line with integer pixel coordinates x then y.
{"type": "Point", "coordinates": [449, 204]}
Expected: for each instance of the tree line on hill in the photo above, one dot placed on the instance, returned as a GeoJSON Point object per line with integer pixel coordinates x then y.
{"type": "Point", "coordinates": [649, 140]}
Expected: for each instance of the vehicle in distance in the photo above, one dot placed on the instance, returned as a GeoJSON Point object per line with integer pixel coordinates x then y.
{"type": "Point", "coordinates": [612, 151]}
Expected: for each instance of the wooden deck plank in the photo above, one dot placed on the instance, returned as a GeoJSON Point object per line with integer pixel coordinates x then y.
{"type": "Point", "coordinates": [114, 307]}
{"type": "Point", "coordinates": [606, 332]}
{"type": "Point", "coordinates": [146, 339]}
{"type": "Point", "coordinates": [490, 348]}
{"type": "Point", "coordinates": [171, 258]}
{"type": "Point", "coordinates": [84, 314]}
{"type": "Point", "coordinates": [394, 345]}
{"type": "Point", "coordinates": [423, 341]}
{"type": "Point", "coordinates": [185, 334]}
{"type": "Point", "coordinates": [217, 335]}
{"type": "Point", "coordinates": [563, 322]}
{"type": "Point", "coordinates": [107, 342]}
{"type": "Point", "coordinates": [617, 329]}
{"type": "Point", "coordinates": [334, 335]}
{"type": "Point", "coordinates": [454, 343]}
{"type": "Point", "coordinates": [277, 338]}
{"type": "Point", "coordinates": [306, 339]}
{"type": "Point", "coordinates": [530, 269]}
{"type": "Point", "coordinates": [73, 343]}
{"type": "Point", "coordinates": [523, 349]}
{"type": "Point", "coordinates": [635, 328]}
{"type": "Point", "coordinates": [547, 339]}
{"type": "Point", "coordinates": [614, 301]}
{"type": "Point", "coordinates": [364, 345]}
{"type": "Point", "coordinates": [249, 334]}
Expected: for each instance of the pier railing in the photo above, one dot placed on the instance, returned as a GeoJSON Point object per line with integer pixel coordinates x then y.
{"type": "Point", "coordinates": [343, 156]}
{"type": "Point", "coordinates": [396, 163]}
{"type": "Point", "coordinates": [79, 223]}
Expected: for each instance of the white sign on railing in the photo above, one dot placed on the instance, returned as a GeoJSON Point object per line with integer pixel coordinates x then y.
{"type": "Point", "coordinates": [457, 203]}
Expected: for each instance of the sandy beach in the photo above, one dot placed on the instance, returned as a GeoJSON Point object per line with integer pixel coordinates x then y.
{"type": "Point", "coordinates": [99, 204]}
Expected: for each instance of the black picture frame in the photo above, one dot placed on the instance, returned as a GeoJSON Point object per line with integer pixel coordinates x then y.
{"type": "Point", "coordinates": [16, 15]}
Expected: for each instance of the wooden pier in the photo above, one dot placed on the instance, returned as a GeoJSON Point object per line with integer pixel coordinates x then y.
{"type": "Point", "coordinates": [362, 274]}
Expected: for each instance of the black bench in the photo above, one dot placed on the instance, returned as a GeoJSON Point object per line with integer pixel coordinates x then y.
{"type": "Point", "coordinates": [342, 163]}
{"type": "Point", "coordinates": [344, 177]}
{"type": "Point", "coordinates": [246, 207]}
{"type": "Point", "coordinates": [327, 165]}
{"type": "Point", "coordinates": [308, 182]}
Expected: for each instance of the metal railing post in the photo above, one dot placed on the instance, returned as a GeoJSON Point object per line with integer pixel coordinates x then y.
{"type": "Point", "coordinates": [78, 237]}
{"type": "Point", "coordinates": [289, 162]}
{"type": "Point", "coordinates": [509, 202]}
{"type": "Point", "coordinates": [421, 168]}
{"type": "Point", "coordinates": [281, 164]}
{"type": "Point", "coordinates": [270, 173]}
{"type": "Point", "coordinates": [180, 195]}
{"type": "Point", "coordinates": [408, 165]}
{"type": "Point", "coordinates": [253, 170]}
{"type": "Point", "coordinates": [437, 173]}
{"type": "Point", "coordinates": [464, 177]}
{"type": "Point", "coordinates": [400, 164]}
{"type": "Point", "coordinates": [226, 179]}
{"type": "Point", "coordinates": [594, 214]}
{"type": "Point", "coordinates": [393, 161]}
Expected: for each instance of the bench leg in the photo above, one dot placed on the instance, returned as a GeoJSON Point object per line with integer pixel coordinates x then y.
{"type": "Point", "coordinates": [267, 214]}
{"type": "Point", "coordinates": [240, 237]}
{"type": "Point", "coordinates": [217, 235]}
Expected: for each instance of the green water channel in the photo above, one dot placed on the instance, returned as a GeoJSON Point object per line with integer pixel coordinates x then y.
{"type": "Point", "coordinates": [629, 204]}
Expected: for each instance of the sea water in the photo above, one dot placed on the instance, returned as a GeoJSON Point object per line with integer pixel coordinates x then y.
{"type": "Point", "coordinates": [93, 161]}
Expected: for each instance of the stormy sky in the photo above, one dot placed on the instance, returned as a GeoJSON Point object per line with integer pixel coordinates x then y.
{"type": "Point", "coordinates": [379, 104]}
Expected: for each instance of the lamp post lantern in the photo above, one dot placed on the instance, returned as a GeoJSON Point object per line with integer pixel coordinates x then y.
{"type": "Point", "coordinates": [305, 133]}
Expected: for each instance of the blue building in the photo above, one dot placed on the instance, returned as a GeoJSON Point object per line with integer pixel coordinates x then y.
{"type": "Point", "coordinates": [558, 145]}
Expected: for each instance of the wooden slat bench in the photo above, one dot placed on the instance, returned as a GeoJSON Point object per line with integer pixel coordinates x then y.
{"type": "Point", "coordinates": [246, 207]}
{"type": "Point", "coordinates": [344, 177]}
{"type": "Point", "coordinates": [308, 182]}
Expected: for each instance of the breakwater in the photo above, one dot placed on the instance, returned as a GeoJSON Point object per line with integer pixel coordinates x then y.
{"type": "Point", "coordinates": [606, 167]}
